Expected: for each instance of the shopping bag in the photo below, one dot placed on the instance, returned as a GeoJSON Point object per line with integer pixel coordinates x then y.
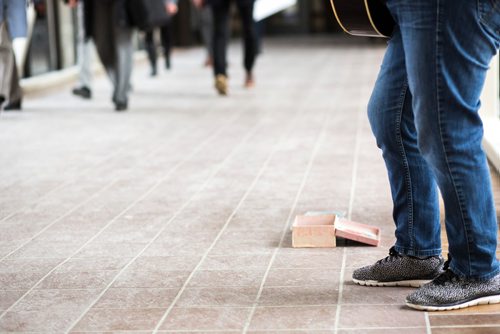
{"type": "Point", "coordinates": [147, 14]}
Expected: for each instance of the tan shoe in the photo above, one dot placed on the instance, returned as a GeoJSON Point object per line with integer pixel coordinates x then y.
{"type": "Point", "coordinates": [221, 84]}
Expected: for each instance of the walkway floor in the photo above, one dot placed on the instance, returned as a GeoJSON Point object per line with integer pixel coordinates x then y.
{"type": "Point", "coordinates": [174, 216]}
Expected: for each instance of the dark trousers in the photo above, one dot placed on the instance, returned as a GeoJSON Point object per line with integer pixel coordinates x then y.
{"type": "Point", "coordinates": [221, 34]}
{"type": "Point", "coordinates": [165, 42]}
{"type": "Point", "coordinates": [114, 46]}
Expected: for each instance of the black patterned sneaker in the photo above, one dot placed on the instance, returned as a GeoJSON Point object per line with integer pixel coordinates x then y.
{"type": "Point", "coordinates": [448, 291]}
{"type": "Point", "coordinates": [399, 270]}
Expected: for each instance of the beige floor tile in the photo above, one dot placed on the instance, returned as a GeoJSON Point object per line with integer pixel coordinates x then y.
{"type": "Point", "coordinates": [94, 264]}
{"type": "Point", "coordinates": [282, 318]}
{"type": "Point", "coordinates": [443, 319]}
{"type": "Point", "coordinates": [136, 298]}
{"type": "Point", "coordinates": [47, 310]}
{"type": "Point", "coordinates": [151, 279]}
{"type": "Point", "coordinates": [227, 278]}
{"type": "Point", "coordinates": [309, 258]}
{"type": "Point", "coordinates": [77, 280]}
{"type": "Point", "coordinates": [119, 320]}
{"type": "Point", "coordinates": [373, 316]}
{"type": "Point", "coordinates": [24, 273]}
{"type": "Point", "coordinates": [466, 330]}
{"type": "Point", "coordinates": [229, 296]}
{"type": "Point", "coordinates": [206, 319]}
{"type": "Point", "coordinates": [111, 249]}
{"type": "Point", "coordinates": [236, 262]}
{"type": "Point", "coordinates": [165, 263]}
{"type": "Point", "coordinates": [406, 330]}
{"type": "Point", "coordinates": [299, 296]}
{"type": "Point", "coordinates": [356, 294]}
{"type": "Point", "coordinates": [303, 277]}
{"type": "Point", "coordinates": [9, 297]}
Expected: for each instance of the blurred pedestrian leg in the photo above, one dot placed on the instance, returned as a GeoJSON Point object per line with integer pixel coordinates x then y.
{"type": "Point", "coordinates": [9, 79]}
{"type": "Point", "coordinates": [207, 32]}
{"type": "Point", "coordinates": [13, 25]}
{"type": "Point", "coordinates": [151, 47]}
{"type": "Point", "coordinates": [112, 36]}
{"type": "Point", "coordinates": [220, 10]}
{"type": "Point", "coordinates": [205, 23]}
{"type": "Point", "coordinates": [84, 57]}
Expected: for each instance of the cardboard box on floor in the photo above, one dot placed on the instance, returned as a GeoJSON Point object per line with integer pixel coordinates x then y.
{"type": "Point", "coordinates": [321, 229]}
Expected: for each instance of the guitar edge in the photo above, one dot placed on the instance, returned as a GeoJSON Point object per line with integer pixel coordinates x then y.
{"type": "Point", "coordinates": [363, 17]}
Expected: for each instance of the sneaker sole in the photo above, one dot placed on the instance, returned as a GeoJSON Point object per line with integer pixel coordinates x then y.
{"type": "Point", "coordinates": [410, 283]}
{"type": "Point", "coordinates": [480, 301]}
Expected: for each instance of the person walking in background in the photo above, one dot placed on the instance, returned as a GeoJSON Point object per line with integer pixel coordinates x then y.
{"type": "Point", "coordinates": [166, 41]}
{"type": "Point", "coordinates": [84, 54]}
{"type": "Point", "coordinates": [13, 24]}
{"type": "Point", "coordinates": [220, 9]}
{"type": "Point", "coordinates": [106, 22]}
{"type": "Point", "coordinates": [206, 22]}
{"type": "Point", "coordinates": [424, 114]}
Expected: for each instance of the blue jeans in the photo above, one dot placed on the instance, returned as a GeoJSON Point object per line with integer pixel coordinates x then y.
{"type": "Point", "coordinates": [424, 114]}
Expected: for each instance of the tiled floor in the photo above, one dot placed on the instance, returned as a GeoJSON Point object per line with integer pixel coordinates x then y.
{"type": "Point", "coordinates": [174, 217]}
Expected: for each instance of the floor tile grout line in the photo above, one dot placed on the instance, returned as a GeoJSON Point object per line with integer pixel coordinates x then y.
{"type": "Point", "coordinates": [427, 323]}
{"type": "Point", "coordinates": [245, 195]}
{"type": "Point", "coordinates": [177, 213]}
{"type": "Point", "coordinates": [286, 228]}
{"type": "Point", "coordinates": [281, 330]}
{"type": "Point", "coordinates": [144, 195]}
{"type": "Point", "coordinates": [341, 292]}
{"type": "Point", "coordinates": [98, 192]}
{"type": "Point", "coordinates": [352, 194]}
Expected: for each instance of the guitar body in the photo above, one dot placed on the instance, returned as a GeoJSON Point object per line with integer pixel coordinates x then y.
{"type": "Point", "coordinates": [363, 17]}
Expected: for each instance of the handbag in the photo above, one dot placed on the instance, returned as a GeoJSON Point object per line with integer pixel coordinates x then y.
{"type": "Point", "coordinates": [147, 14]}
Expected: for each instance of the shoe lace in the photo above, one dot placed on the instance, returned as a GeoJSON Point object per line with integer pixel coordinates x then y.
{"type": "Point", "coordinates": [393, 255]}
{"type": "Point", "coordinates": [447, 275]}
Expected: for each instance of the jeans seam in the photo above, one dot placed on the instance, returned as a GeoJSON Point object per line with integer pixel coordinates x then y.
{"type": "Point", "coordinates": [483, 17]}
{"type": "Point", "coordinates": [441, 130]}
{"type": "Point", "coordinates": [402, 151]}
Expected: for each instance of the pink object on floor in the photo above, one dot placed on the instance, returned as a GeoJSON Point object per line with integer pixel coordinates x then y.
{"type": "Point", "coordinates": [321, 230]}
{"type": "Point", "coordinates": [314, 231]}
{"type": "Point", "coordinates": [366, 234]}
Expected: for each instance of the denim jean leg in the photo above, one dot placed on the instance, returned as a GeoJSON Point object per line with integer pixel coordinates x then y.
{"type": "Point", "coordinates": [413, 189]}
{"type": "Point", "coordinates": [447, 53]}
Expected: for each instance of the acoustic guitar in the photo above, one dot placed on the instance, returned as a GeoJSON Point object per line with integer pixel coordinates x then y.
{"type": "Point", "coordinates": [363, 17]}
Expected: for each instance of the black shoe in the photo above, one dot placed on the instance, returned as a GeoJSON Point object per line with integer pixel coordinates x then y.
{"type": "Point", "coordinates": [83, 92]}
{"type": "Point", "coordinates": [121, 106]}
{"type": "Point", "coordinates": [167, 63]}
{"type": "Point", "coordinates": [449, 291]}
{"type": "Point", "coordinates": [399, 270]}
{"type": "Point", "coordinates": [154, 71]}
{"type": "Point", "coordinates": [2, 100]}
{"type": "Point", "coordinates": [11, 106]}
